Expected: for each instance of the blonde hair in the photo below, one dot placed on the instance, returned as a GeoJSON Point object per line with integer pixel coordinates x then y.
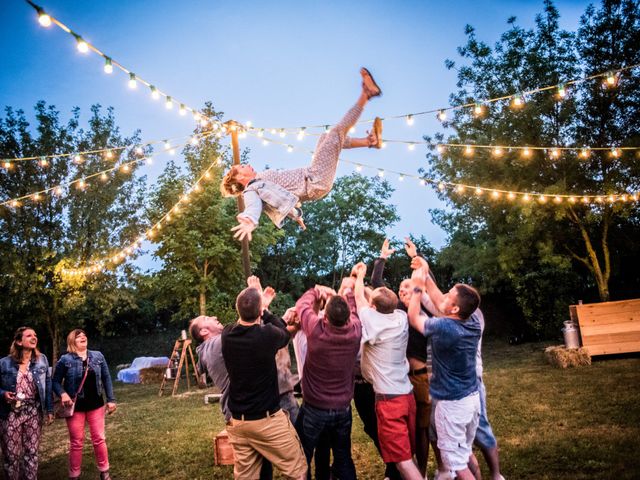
{"type": "Point", "coordinates": [230, 186]}
{"type": "Point", "coordinates": [71, 339]}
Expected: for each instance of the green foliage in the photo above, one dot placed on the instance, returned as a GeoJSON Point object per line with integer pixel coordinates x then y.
{"type": "Point", "coordinates": [539, 252]}
{"type": "Point", "coordinates": [40, 238]}
{"type": "Point", "coordinates": [345, 227]}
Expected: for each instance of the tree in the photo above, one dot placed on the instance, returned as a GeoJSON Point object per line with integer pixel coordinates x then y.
{"type": "Point", "coordinates": [201, 263]}
{"type": "Point", "coordinates": [343, 228]}
{"type": "Point", "coordinates": [40, 236]}
{"type": "Point", "coordinates": [530, 249]}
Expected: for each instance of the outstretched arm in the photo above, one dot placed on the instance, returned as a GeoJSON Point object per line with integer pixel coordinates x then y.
{"type": "Point", "coordinates": [416, 319]}
{"type": "Point", "coordinates": [248, 220]}
{"type": "Point", "coordinates": [419, 263]}
{"type": "Point", "coordinates": [361, 300]}
{"type": "Point", "coordinates": [377, 279]}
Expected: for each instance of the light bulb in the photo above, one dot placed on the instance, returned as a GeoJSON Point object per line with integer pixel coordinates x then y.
{"type": "Point", "coordinates": [35, 197]}
{"type": "Point", "coordinates": [557, 199]}
{"type": "Point", "coordinates": [562, 92]}
{"type": "Point", "coordinates": [422, 182]}
{"type": "Point", "coordinates": [108, 67]}
{"type": "Point", "coordinates": [615, 152]}
{"type": "Point", "coordinates": [497, 151]}
{"type": "Point", "coordinates": [555, 153]}
{"type": "Point", "coordinates": [572, 199]}
{"type": "Point", "coordinates": [460, 188]}
{"type": "Point", "coordinates": [289, 148]}
{"type": "Point", "coordinates": [196, 116]}
{"type": "Point", "coordinates": [132, 81]}
{"type": "Point", "coordinates": [154, 92]}
{"type": "Point", "coordinates": [261, 133]}
{"type": "Point", "coordinates": [104, 176]}
{"type": "Point", "coordinates": [381, 173]}
{"type": "Point", "coordinates": [139, 150]}
{"type": "Point", "coordinates": [440, 148]}
{"type": "Point", "coordinates": [478, 110]}
{"type": "Point", "coordinates": [511, 195]}
{"type": "Point", "coordinates": [172, 151]}
{"type": "Point", "coordinates": [478, 191]}
{"type": "Point", "coordinates": [168, 103]}
{"type": "Point", "coordinates": [125, 167]}
{"type": "Point", "coordinates": [194, 140]}
{"type": "Point", "coordinates": [584, 153]}
{"type": "Point", "coordinates": [108, 154]}
{"type": "Point", "coordinates": [7, 165]}
{"type": "Point", "coordinates": [301, 134]}
{"type": "Point", "coordinates": [167, 145]}
{"type": "Point", "coordinates": [183, 111]}
{"type": "Point", "coordinates": [526, 152]}
{"type": "Point", "coordinates": [611, 79]}
{"type": "Point", "coordinates": [526, 197]}
{"type": "Point", "coordinates": [412, 146]}
{"type": "Point", "coordinates": [441, 186]}
{"type": "Point", "coordinates": [44, 162]}
{"type": "Point", "coordinates": [468, 151]}
{"type": "Point", "coordinates": [401, 178]}
{"type": "Point", "coordinates": [442, 115]}
{"type": "Point", "coordinates": [149, 160]}
{"type": "Point", "coordinates": [542, 199]}
{"type": "Point", "coordinates": [518, 101]}
{"type": "Point", "coordinates": [282, 133]}
{"type": "Point", "coordinates": [44, 19]}
{"type": "Point", "coordinates": [409, 120]}
{"type": "Point", "coordinates": [81, 45]}
{"type": "Point", "coordinates": [495, 194]}
{"type": "Point", "coordinates": [358, 168]}
{"type": "Point", "coordinates": [265, 142]}
{"type": "Point", "coordinates": [58, 191]}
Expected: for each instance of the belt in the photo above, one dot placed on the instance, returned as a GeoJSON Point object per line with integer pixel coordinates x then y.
{"type": "Point", "coordinates": [389, 396]}
{"type": "Point", "coordinates": [418, 371]}
{"type": "Point", "coordinates": [254, 416]}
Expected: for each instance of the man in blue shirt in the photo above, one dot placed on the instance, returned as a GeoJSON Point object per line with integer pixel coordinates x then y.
{"type": "Point", "coordinates": [454, 384]}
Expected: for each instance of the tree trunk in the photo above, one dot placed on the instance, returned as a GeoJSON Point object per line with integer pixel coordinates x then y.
{"type": "Point", "coordinates": [203, 299]}
{"type": "Point", "coordinates": [591, 260]}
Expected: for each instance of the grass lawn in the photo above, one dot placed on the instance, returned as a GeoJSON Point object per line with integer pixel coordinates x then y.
{"type": "Point", "coordinates": [580, 424]}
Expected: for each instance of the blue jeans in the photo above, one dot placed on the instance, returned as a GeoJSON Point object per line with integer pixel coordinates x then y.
{"type": "Point", "coordinates": [336, 424]}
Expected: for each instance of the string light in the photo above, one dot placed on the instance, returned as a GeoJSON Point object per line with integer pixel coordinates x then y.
{"type": "Point", "coordinates": [517, 101]}
{"type": "Point", "coordinates": [168, 103]}
{"type": "Point", "coordinates": [584, 153]}
{"type": "Point", "coordinates": [468, 151]}
{"type": "Point", "coordinates": [301, 133]}
{"type": "Point", "coordinates": [108, 154]}
{"type": "Point", "coordinates": [108, 67]}
{"type": "Point", "coordinates": [154, 92]}
{"type": "Point", "coordinates": [381, 173]}
{"type": "Point", "coordinates": [44, 162]}
{"type": "Point", "coordinates": [104, 177]}
{"type": "Point", "coordinates": [440, 148]}
{"type": "Point", "coordinates": [412, 146]}
{"type": "Point", "coordinates": [526, 152]}
{"type": "Point", "coordinates": [478, 110]}
{"type": "Point", "coordinates": [183, 110]}
{"type": "Point", "coordinates": [611, 79]}
{"type": "Point", "coordinates": [562, 92]}
{"type": "Point", "coordinates": [442, 115]}
{"type": "Point", "coordinates": [497, 151]}
{"type": "Point", "coordinates": [43, 18]}
{"type": "Point", "coordinates": [132, 81]}
{"type": "Point", "coordinates": [81, 45]}
{"type": "Point", "coordinates": [555, 153]}
{"type": "Point", "coordinates": [7, 165]}
{"type": "Point", "coordinates": [409, 120]}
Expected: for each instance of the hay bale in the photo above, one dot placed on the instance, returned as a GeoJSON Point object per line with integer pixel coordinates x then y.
{"type": "Point", "coordinates": [562, 357]}
{"type": "Point", "coordinates": [151, 375]}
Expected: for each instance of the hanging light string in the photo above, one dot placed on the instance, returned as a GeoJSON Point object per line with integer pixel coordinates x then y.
{"type": "Point", "coordinates": [151, 232]}
{"type": "Point", "coordinates": [478, 108]}
{"type": "Point", "coordinates": [480, 191]}
{"type": "Point", "coordinates": [82, 183]}
{"type": "Point", "coordinates": [84, 46]}
{"type": "Point", "coordinates": [78, 157]}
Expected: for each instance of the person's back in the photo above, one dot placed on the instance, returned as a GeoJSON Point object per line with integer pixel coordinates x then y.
{"type": "Point", "coordinates": [249, 353]}
{"type": "Point", "coordinates": [384, 362]}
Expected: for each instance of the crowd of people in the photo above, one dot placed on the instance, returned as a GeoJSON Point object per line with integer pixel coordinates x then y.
{"type": "Point", "coordinates": [410, 362]}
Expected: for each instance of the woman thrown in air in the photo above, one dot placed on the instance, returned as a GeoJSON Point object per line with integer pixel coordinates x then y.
{"type": "Point", "coordinates": [280, 192]}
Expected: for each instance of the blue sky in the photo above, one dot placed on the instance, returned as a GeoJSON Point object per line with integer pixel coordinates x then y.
{"type": "Point", "coordinates": [278, 64]}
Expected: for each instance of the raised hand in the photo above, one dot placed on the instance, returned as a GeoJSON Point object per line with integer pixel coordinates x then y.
{"type": "Point", "coordinates": [267, 297]}
{"type": "Point", "coordinates": [386, 251]}
{"type": "Point", "coordinates": [361, 270]}
{"type": "Point", "coordinates": [410, 247]}
{"type": "Point", "coordinates": [243, 229]}
{"type": "Point", "coordinates": [418, 278]}
{"type": "Point", "coordinates": [290, 316]}
{"type": "Point", "coordinates": [325, 292]}
{"type": "Point", "coordinates": [419, 262]}
{"type": "Point", "coordinates": [254, 282]}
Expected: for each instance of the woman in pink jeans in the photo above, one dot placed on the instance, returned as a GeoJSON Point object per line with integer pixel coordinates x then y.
{"type": "Point", "coordinates": [82, 376]}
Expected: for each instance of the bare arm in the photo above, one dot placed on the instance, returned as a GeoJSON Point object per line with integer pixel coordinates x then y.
{"type": "Point", "coordinates": [361, 301]}
{"type": "Point", "coordinates": [416, 319]}
{"type": "Point", "coordinates": [430, 285]}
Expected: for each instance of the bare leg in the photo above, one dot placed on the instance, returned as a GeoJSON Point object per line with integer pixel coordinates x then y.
{"type": "Point", "coordinates": [493, 461]}
{"type": "Point", "coordinates": [474, 467]}
{"type": "Point", "coordinates": [464, 475]}
{"type": "Point", "coordinates": [422, 448]}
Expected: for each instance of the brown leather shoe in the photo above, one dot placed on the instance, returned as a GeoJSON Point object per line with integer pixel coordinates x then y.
{"type": "Point", "coordinates": [369, 84]}
{"type": "Point", "coordinates": [377, 132]}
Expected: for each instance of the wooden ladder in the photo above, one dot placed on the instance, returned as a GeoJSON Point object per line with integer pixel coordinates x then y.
{"type": "Point", "coordinates": [186, 355]}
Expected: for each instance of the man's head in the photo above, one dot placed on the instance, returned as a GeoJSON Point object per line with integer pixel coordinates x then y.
{"type": "Point", "coordinates": [337, 311]}
{"type": "Point", "coordinates": [461, 301]}
{"type": "Point", "coordinates": [202, 328]}
{"type": "Point", "coordinates": [249, 304]}
{"type": "Point", "coordinates": [384, 300]}
{"type": "Point", "coordinates": [236, 179]}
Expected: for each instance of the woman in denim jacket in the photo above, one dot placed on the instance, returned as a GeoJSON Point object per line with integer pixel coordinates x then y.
{"type": "Point", "coordinates": [279, 193]}
{"type": "Point", "coordinates": [25, 398]}
{"type": "Point", "coordinates": [90, 407]}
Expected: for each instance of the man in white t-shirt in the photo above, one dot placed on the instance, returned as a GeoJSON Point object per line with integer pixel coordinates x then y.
{"type": "Point", "coordinates": [385, 332]}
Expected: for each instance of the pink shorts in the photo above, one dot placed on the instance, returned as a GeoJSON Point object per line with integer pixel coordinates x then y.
{"type": "Point", "coordinates": [397, 427]}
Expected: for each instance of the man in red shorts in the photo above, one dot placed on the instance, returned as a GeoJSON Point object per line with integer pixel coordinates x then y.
{"type": "Point", "coordinates": [385, 331]}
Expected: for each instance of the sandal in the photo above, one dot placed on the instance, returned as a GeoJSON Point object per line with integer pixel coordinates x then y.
{"type": "Point", "coordinates": [377, 132]}
{"type": "Point", "coordinates": [369, 84]}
